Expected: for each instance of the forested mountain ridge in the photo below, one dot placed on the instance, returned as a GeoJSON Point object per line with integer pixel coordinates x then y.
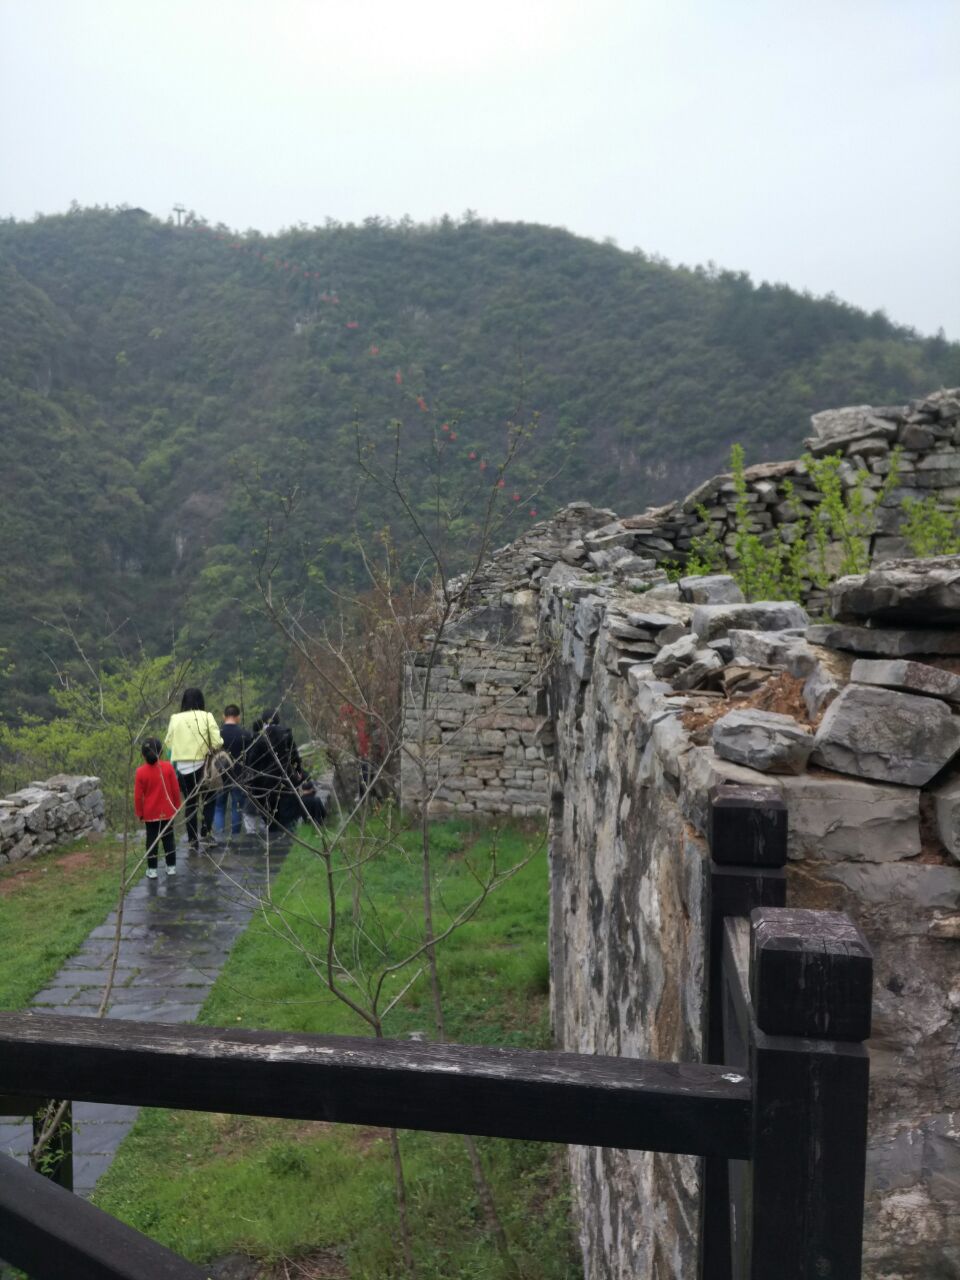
{"type": "Point", "coordinates": [158, 383]}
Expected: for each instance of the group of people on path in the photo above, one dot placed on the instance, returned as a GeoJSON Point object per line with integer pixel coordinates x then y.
{"type": "Point", "coordinates": [256, 772]}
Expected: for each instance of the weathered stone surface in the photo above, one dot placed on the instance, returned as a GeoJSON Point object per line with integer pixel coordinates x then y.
{"type": "Point", "coordinates": [672, 658]}
{"type": "Point", "coordinates": [947, 813]}
{"type": "Point", "coordinates": [911, 677]}
{"type": "Point", "coordinates": [914, 593]}
{"type": "Point", "coordinates": [886, 642]}
{"type": "Point", "coordinates": [713, 620]}
{"type": "Point", "coordinates": [762, 740]}
{"type": "Point", "coordinates": [833, 819]}
{"type": "Point", "coordinates": [923, 885]}
{"type": "Point", "coordinates": [781, 650]}
{"type": "Point", "coordinates": [716, 588]}
{"type": "Point", "coordinates": [835, 428]}
{"type": "Point", "coordinates": [894, 737]}
{"type": "Point", "coordinates": [706, 664]}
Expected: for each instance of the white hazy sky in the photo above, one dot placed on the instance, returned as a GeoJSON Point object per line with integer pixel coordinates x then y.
{"type": "Point", "coordinates": [808, 141]}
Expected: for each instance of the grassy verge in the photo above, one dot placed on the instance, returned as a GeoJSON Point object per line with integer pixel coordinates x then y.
{"type": "Point", "coordinates": [208, 1185]}
{"type": "Point", "coordinates": [48, 905]}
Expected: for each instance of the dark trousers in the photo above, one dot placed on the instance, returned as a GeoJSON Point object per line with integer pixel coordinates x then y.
{"type": "Point", "coordinates": [193, 794]}
{"type": "Point", "coordinates": [161, 833]}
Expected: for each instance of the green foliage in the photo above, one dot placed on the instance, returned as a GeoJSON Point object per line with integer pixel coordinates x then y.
{"type": "Point", "coordinates": [166, 393]}
{"type": "Point", "coordinates": [847, 516]}
{"type": "Point", "coordinates": [781, 563]}
{"type": "Point", "coordinates": [206, 1185]}
{"type": "Point", "coordinates": [98, 721]}
{"type": "Point", "coordinates": [930, 530]}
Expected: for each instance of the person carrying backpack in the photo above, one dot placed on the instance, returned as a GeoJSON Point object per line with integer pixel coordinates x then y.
{"type": "Point", "coordinates": [193, 735]}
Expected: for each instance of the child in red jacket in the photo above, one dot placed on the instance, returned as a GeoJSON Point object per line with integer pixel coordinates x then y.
{"type": "Point", "coordinates": [156, 798]}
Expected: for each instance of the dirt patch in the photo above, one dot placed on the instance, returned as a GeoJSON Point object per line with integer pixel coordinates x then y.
{"type": "Point", "coordinates": [321, 1264]}
{"type": "Point", "coordinates": [364, 1140]}
{"type": "Point", "coordinates": [22, 874]}
{"type": "Point", "coordinates": [782, 693]}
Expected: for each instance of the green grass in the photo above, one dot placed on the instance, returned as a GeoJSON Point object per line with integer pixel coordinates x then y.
{"type": "Point", "coordinates": [206, 1185]}
{"type": "Point", "coordinates": [48, 905]}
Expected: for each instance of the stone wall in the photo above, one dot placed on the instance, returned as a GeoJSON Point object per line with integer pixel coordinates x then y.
{"type": "Point", "coordinates": [582, 683]}
{"type": "Point", "coordinates": [48, 813]}
{"type": "Point", "coordinates": [866, 754]}
{"type": "Point", "coordinates": [482, 736]}
{"type": "Point", "coordinates": [925, 432]}
{"type": "Point", "coordinates": [483, 732]}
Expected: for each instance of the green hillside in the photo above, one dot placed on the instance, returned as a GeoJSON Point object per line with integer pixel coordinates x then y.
{"type": "Point", "coordinates": [160, 385]}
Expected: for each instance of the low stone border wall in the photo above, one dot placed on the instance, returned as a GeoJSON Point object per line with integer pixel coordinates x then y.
{"type": "Point", "coordinates": [63, 808]}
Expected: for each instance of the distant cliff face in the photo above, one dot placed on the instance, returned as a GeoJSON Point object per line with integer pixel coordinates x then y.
{"type": "Point", "coordinates": [159, 387]}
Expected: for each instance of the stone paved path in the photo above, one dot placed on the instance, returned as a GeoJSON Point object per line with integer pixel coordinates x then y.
{"type": "Point", "coordinates": [176, 934]}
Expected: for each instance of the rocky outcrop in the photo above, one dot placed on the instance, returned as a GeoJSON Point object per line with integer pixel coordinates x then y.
{"type": "Point", "coordinates": [48, 813]}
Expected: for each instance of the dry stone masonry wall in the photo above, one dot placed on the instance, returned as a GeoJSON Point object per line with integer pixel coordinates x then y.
{"type": "Point", "coordinates": [44, 814]}
{"type": "Point", "coordinates": [641, 696]}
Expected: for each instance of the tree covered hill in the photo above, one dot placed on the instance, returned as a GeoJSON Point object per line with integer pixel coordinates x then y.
{"type": "Point", "coordinates": [159, 384]}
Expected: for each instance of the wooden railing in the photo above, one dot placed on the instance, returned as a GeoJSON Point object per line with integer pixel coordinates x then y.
{"type": "Point", "coordinates": [780, 1118]}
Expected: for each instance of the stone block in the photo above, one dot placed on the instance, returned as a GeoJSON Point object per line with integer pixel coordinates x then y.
{"type": "Point", "coordinates": [832, 819]}
{"type": "Point", "coordinates": [706, 665]}
{"type": "Point", "coordinates": [890, 736]}
{"type": "Point", "coordinates": [714, 588]}
{"type": "Point", "coordinates": [946, 809]}
{"type": "Point", "coordinates": [672, 658]}
{"type": "Point", "coordinates": [886, 642]}
{"type": "Point", "coordinates": [713, 620]}
{"type": "Point", "coordinates": [781, 650]}
{"type": "Point", "coordinates": [762, 740]}
{"type": "Point", "coordinates": [911, 677]}
{"type": "Point", "coordinates": [924, 885]}
{"type": "Point", "coordinates": [915, 593]}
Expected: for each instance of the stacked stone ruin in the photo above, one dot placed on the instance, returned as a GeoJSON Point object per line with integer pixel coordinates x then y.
{"type": "Point", "coordinates": [641, 696]}
{"type": "Point", "coordinates": [62, 809]}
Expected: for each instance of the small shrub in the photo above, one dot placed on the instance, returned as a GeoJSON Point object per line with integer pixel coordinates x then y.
{"type": "Point", "coordinates": [929, 530]}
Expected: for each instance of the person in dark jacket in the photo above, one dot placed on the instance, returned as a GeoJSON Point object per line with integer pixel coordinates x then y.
{"type": "Point", "coordinates": [273, 771]}
{"type": "Point", "coordinates": [236, 740]}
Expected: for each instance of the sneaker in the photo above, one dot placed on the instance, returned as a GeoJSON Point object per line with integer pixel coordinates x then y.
{"type": "Point", "coordinates": [172, 869]}
{"type": "Point", "coordinates": [151, 873]}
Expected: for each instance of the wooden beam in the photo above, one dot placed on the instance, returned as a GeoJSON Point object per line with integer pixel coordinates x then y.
{"type": "Point", "coordinates": [503, 1093]}
{"type": "Point", "coordinates": [53, 1235]}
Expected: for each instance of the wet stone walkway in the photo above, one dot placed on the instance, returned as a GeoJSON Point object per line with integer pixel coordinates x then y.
{"type": "Point", "coordinates": [176, 934]}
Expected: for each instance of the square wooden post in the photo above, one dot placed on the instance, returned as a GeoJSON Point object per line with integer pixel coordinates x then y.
{"type": "Point", "coordinates": [811, 975]}
{"type": "Point", "coordinates": [748, 850]}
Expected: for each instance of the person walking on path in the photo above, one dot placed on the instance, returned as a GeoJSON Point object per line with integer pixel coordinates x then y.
{"type": "Point", "coordinates": [236, 740]}
{"type": "Point", "coordinates": [274, 770]}
{"type": "Point", "coordinates": [156, 799]}
{"type": "Point", "coordinates": [192, 735]}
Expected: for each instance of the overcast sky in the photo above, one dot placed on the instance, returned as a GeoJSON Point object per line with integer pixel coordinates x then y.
{"type": "Point", "coordinates": [808, 141]}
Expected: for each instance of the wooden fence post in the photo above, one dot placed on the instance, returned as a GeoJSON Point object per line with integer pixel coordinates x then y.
{"type": "Point", "coordinates": [811, 975]}
{"type": "Point", "coordinates": [748, 850]}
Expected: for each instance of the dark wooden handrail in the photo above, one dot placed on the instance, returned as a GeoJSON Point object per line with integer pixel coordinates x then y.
{"type": "Point", "coordinates": [49, 1232]}
{"type": "Point", "coordinates": [501, 1093]}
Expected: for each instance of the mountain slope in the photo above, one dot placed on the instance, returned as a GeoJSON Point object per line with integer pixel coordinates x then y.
{"type": "Point", "coordinates": [158, 384]}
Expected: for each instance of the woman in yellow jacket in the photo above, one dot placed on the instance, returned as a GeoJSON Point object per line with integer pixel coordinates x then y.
{"type": "Point", "coordinates": [191, 735]}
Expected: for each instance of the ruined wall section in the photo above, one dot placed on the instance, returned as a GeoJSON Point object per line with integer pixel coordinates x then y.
{"type": "Point", "coordinates": [865, 751]}
{"type": "Point", "coordinates": [483, 731]}
{"type": "Point", "coordinates": [926, 432]}
{"type": "Point", "coordinates": [49, 813]}
{"type": "Point", "coordinates": [482, 734]}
